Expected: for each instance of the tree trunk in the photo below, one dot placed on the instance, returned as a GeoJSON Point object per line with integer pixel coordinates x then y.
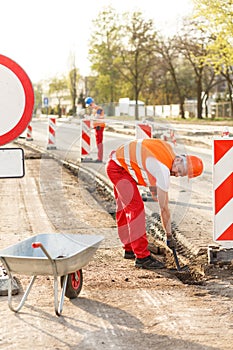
{"type": "Point", "coordinates": [182, 111]}
{"type": "Point", "coordinates": [136, 105]}
{"type": "Point", "coordinates": [199, 99]}
{"type": "Point", "coordinates": [230, 97]}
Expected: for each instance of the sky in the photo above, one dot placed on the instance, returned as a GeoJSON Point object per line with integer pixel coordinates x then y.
{"type": "Point", "coordinates": [42, 35]}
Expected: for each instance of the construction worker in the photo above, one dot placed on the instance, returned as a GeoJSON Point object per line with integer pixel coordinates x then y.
{"type": "Point", "coordinates": [99, 126]}
{"type": "Point", "coordinates": [145, 162]}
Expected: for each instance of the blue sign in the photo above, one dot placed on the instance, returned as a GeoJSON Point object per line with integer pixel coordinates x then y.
{"type": "Point", "coordinates": [46, 101]}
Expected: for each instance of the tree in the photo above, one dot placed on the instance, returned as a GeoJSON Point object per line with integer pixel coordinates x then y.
{"type": "Point", "coordinates": [136, 56]}
{"type": "Point", "coordinates": [58, 86]}
{"type": "Point", "coordinates": [81, 100]}
{"type": "Point", "coordinates": [216, 18]}
{"type": "Point", "coordinates": [174, 69]}
{"type": "Point", "coordinates": [192, 42]}
{"type": "Point", "coordinates": [73, 78]}
{"type": "Point", "coordinates": [104, 46]}
{"type": "Point", "coordinates": [38, 93]}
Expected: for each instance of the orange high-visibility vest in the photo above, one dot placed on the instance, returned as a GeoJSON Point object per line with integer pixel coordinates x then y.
{"type": "Point", "coordinates": [98, 113]}
{"type": "Point", "coordinates": [148, 161]}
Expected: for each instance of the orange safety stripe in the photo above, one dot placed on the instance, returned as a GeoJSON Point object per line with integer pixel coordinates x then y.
{"type": "Point", "coordinates": [134, 162]}
{"type": "Point", "coordinates": [163, 152]}
{"type": "Point", "coordinates": [98, 123]}
{"type": "Point", "coordinates": [121, 158]}
{"type": "Point", "coordinates": [138, 151]}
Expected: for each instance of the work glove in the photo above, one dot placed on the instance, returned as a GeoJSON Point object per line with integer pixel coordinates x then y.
{"type": "Point", "coordinates": [171, 242]}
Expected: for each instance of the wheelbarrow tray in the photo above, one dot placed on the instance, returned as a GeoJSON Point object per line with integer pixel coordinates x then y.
{"type": "Point", "coordinates": [69, 252]}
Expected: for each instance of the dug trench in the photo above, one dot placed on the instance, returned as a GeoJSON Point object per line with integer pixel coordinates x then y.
{"type": "Point", "coordinates": [193, 269]}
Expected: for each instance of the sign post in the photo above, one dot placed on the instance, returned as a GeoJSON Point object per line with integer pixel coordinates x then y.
{"type": "Point", "coordinates": [46, 104]}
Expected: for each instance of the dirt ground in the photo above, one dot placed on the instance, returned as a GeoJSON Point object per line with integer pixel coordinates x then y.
{"type": "Point", "coordinates": [119, 307]}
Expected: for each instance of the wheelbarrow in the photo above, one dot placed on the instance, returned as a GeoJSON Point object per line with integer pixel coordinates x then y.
{"type": "Point", "coordinates": [60, 255]}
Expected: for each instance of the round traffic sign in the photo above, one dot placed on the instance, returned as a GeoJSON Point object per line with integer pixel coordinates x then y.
{"type": "Point", "coordinates": [16, 100]}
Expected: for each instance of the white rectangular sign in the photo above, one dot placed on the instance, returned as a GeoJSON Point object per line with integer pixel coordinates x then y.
{"type": "Point", "coordinates": [11, 162]}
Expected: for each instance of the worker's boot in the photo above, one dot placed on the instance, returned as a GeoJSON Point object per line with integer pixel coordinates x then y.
{"type": "Point", "coordinates": [149, 263]}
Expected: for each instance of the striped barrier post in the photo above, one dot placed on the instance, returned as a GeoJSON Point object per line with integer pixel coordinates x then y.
{"type": "Point", "coordinates": [52, 132]}
{"type": "Point", "coordinates": [143, 131]}
{"type": "Point", "coordinates": [225, 132]}
{"type": "Point", "coordinates": [223, 191]}
{"type": "Point", "coordinates": [173, 138]}
{"type": "Point", "coordinates": [29, 133]}
{"type": "Point", "coordinates": [85, 137]}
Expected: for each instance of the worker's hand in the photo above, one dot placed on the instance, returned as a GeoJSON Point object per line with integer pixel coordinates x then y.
{"type": "Point", "coordinates": [171, 242]}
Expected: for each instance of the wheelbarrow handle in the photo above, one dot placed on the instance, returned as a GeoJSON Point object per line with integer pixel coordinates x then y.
{"type": "Point", "coordinates": [58, 306]}
{"type": "Point", "coordinates": [40, 245]}
{"type": "Point", "coordinates": [36, 245]}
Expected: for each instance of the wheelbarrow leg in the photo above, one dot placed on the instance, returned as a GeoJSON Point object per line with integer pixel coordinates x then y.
{"type": "Point", "coordinates": [59, 307]}
{"type": "Point", "coordinates": [20, 305]}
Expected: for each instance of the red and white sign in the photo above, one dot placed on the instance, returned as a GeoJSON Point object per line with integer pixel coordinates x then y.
{"type": "Point", "coordinates": [86, 137]}
{"type": "Point", "coordinates": [16, 100]}
{"type": "Point", "coordinates": [52, 133]}
{"type": "Point", "coordinates": [143, 131]}
{"type": "Point", "coordinates": [223, 190]}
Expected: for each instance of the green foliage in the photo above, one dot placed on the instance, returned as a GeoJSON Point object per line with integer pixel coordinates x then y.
{"type": "Point", "coordinates": [104, 46]}
{"type": "Point", "coordinates": [58, 86]}
{"type": "Point", "coordinates": [129, 58]}
{"type": "Point", "coordinates": [38, 92]}
{"type": "Point", "coordinates": [216, 18]}
{"type": "Point", "coordinates": [121, 53]}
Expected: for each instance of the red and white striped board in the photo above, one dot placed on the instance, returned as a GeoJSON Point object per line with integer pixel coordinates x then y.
{"type": "Point", "coordinates": [29, 133]}
{"type": "Point", "coordinates": [143, 131]}
{"type": "Point", "coordinates": [225, 132]}
{"type": "Point", "coordinates": [173, 138]}
{"type": "Point", "coordinates": [86, 137]}
{"type": "Point", "coordinates": [52, 133]}
{"type": "Point", "coordinates": [223, 191]}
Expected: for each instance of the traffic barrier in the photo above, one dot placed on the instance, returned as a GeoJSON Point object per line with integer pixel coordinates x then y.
{"type": "Point", "coordinates": [169, 136]}
{"type": "Point", "coordinates": [164, 136]}
{"type": "Point", "coordinates": [223, 191]}
{"type": "Point", "coordinates": [225, 132]}
{"type": "Point", "coordinates": [86, 137]}
{"type": "Point", "coordinates": [52, 132]}
{"type": "Point", "coordinates": [143, 131]}
{"type": "Point", "coordinates": [172, 136]}
{"type": "Point", "coordinates": [29, 133]}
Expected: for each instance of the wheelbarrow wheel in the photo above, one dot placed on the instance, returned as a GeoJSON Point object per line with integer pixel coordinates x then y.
{"type": "Point", "coordinates": [74, 284]}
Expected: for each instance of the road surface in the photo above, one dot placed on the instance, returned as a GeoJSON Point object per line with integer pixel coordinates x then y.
{"type": "Point", "coordinates": [119, 307]}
